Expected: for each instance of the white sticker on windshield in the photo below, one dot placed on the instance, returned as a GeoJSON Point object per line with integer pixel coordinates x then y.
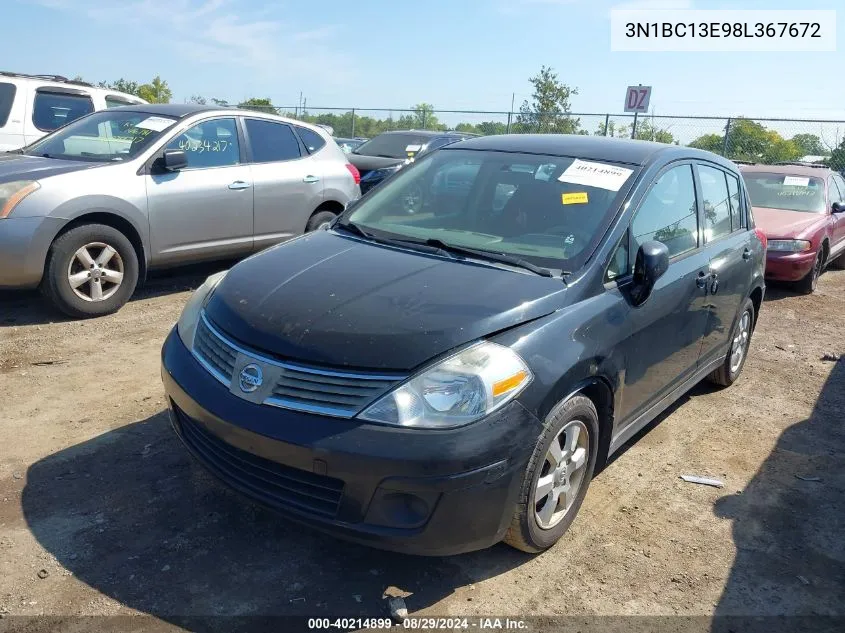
{"type": "Point", "coordinates": [795, 181]}
{"type": "Point", "coordinates": [155, 123]}
{"type": "Point", "coordinates": [413, 148]}
{"type": "Point", "coordinates": [600, 175]}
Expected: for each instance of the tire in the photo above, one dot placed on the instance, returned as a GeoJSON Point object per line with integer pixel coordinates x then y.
{"type": "Point", "coordinates": [65, 259]}
{"type": "Point", "coordinates": [526, 532]}
{"type": "Point", "coordinates": [808, 284]}
{"type": "Point", "coordinates": [318, 219]}
{"type": "Point", "coordinates": [729, 371]}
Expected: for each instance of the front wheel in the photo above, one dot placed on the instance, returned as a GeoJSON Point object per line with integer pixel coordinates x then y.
{"type": "Point", "coordinates": [320, 221]}
{"type": "Point", "coordinates": [808, 284]}
{"type": "Point", "coordinates": [557, 476]}
{"type": "Point", "coordinates": [91, 271]}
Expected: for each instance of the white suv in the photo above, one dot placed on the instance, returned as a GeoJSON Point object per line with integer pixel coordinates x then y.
{"type": "Point", "coordinates": [33, 105]}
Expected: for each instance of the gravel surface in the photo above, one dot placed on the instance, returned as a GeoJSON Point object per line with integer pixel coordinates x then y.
{"type": "Point", "coordinates": [103, 512]}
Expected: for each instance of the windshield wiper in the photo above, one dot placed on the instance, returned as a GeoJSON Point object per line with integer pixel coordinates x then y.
{"type": "Point", "coordinates": [354, 228]}
{"type": "Point", "coordinates": [415, 244]}
{"type": "Point", "coordinates": [483, 254]}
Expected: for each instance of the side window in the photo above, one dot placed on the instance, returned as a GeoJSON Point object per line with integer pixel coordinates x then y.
{"type": "Point", "coordinates": [835, 187]}
{"type": "Point", "coordinates": [668, 213]}
{"type": "Point", "coordinates": [312, 141]}
{"type": "Point", "coordinates": [52, 110]}
{"type": "Point", "coordinates": [271, 142]}
{"type": "Point", "coordinates": [618, 266]}
{"type": "Point", "coordinates": [714, 197]}
{"type": "Point", "coordinates": [737, 216]}
{"type": "Point", "coordinates": [7, 98]}
{"type": "Point", "coordinates": [209, 144]}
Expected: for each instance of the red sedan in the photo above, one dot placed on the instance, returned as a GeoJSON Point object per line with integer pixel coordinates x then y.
{"type": "Point", "coordinates": [801, 209]}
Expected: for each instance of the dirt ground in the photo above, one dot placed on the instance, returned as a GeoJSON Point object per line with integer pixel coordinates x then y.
{"type": "Point", "coordinates": [102, 512]}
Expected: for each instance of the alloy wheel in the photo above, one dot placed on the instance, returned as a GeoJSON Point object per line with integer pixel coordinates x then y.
{"type": "Point", "coordinates": [739, 346]}
{"type": "Point", "coordinates": [95, 272]}
{"type": "Point", "coordinates": [562, 474]}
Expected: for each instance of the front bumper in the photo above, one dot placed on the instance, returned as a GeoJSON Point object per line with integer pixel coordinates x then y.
{"type": "Point", "coordinates": [782, 266]}
{"type": "Point", "coordinates": [24, 243]}
{"type": "Point", "coordinates": [419, 492]}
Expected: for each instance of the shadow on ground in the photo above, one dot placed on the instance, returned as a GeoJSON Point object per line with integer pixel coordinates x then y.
{"type": "Point", "coordinates": [131, 514]}
{"type": "Point", "coordinates": [29, 307]}
{"type": "Point", "coordinates": [788, 525]}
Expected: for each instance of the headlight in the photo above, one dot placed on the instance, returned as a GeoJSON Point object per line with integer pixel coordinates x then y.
{"type": "Point", "coordinates": [190, 316]}
{"type": "Point", "coordinates": [456, 391]}
{"type": "Point", "coordinates": [790, 246]}
{"type": "Point", "coordinates": [11, 193]}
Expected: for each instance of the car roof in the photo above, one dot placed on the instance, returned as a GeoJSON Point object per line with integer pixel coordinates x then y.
{"type": "Point", "coordinates": [177, 110]}
{"type": "Point", "coordinates": [792, 169]}
{"type": "Point", "coordinates": [587, 147]}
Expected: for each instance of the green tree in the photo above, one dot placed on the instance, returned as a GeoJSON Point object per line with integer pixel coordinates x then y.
{"type": "Point", "coordinates": [255, 103]}
{"type": "Point", "coordinates": [220, 102]}
{"type": "Point", "coordinates": [198, 100]}
{"type": "Point", "coordinates": [750, 141]}
{"type": "Point", "coordinates": [810, 145]}
{"type": "Point", "coordinates": [123, 85]}
{"type": "Point", "coordinates": [612, 129]}
{"type": "Point", "coordinates": [836, 160]}
{"type": "Point", "coordinates": [548, 110]}
{"type": "Point", "coordinates": [157, 91]}
{"type": "Point", "coordinates": [648, 131]}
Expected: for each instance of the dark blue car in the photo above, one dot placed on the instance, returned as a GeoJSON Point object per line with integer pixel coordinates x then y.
{"type": "Point", "coordinates": [439, 378]}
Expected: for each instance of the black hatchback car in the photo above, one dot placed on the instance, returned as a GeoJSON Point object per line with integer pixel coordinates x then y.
{"type": "Point", "coordinates": [437, 381]}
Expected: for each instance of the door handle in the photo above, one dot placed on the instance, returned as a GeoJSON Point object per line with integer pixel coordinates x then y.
{"type": "Point", "coordinates": [310, 179]}
{"type": "Point", "coordinates": [746, 254]}
{"type": "Point", "coordinates": [702, 279]}
{"type": "Point", "coordinates": [239, 184]}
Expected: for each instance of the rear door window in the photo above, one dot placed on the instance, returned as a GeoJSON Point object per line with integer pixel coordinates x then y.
{"type": "Point", "coordinates": [52, 110]}
{"type": "Point", "coordinates": [737, 216]}
{"type": "Point", "coordinates": [271, 142]}
{"type": "Point", "coordinates": [7, 98]}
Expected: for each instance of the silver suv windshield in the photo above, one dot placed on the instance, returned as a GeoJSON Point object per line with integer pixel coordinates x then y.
{"type": "Point", "coordinates": [104, 136]}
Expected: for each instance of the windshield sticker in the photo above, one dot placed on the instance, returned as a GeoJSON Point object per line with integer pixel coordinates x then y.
{"type": "Point", "coordinates": [599, 175]}
{"type": "Point", "coordinates": [413, 148]}
{"type": "Point", "coordinates": [574, 198]}
{"type": "Point", "coordinates": [795, 181]}
{"type": "Point", "coordinates": [155, 123]}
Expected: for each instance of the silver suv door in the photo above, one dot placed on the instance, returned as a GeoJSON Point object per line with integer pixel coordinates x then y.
{"type": "Point", "coordinates": [288, 181]}
{"type": "Point", "coordinates": [203, 211]}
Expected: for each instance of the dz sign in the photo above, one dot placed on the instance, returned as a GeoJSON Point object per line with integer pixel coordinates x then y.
{"type": "Point", "coordinates": [637, 98]}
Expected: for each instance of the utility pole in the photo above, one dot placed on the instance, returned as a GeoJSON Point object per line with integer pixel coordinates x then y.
{"type": "Point", "coordinates": [510, 114]}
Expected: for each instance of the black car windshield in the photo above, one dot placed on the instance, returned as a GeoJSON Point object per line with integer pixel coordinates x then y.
{"type": "Point", "coordinates": [393, 145]}
{"type": "Point", "coordinates": [104, 136]}
{"type": "Point", "coordinates": [550, 211]}
{"type": "Point", "coordinates": [782, 191]}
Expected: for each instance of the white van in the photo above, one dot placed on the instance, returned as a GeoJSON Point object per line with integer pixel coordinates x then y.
{"type": "Point", "coordinates": [33, 105]}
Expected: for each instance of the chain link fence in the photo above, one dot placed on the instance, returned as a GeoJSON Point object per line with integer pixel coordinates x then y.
{"type": "Point", "coordinates": [745, 139]}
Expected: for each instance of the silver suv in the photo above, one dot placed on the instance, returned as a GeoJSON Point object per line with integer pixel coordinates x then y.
{"type": "Point", "coordinates": [86, 211]}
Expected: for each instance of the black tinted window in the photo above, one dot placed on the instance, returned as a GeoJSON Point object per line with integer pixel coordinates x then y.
{"type": "Point", "coordinates": [209, 144]}
{"type": "Point", "coordinates": [271, 142]}
{"type": "Point", "coordinates": [717, 208]}
{"type": "Point", "coordinates": [390, 145]}
{"type": "Point", "coordinates": [668, 213]}
{"type": "Point", "coordinates": [53, 110]}
{"type": "Point", "coordinates": [737, 217]}
{"type": "Point", "coordinates": [312, 141]}
{"type": "Point", "coordinates": [7, 97]}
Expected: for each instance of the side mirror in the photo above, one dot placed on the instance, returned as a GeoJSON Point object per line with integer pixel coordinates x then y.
{"type": "Point", "coordinates": [837, 207]}
{"type": "Point", "coordinates": [651, 264]}
{"type": "Point", "coordinates": [174, 159]}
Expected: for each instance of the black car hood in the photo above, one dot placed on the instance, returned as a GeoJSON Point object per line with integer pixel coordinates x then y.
{"type": "Point", "coordinates": [366, 164]}
{"type": "Point", "coordinates": [20, 167]}
{"type": "Point", "coordinates": [332, 300]}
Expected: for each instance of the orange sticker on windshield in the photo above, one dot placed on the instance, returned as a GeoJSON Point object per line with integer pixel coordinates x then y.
{"type": "Point", "coordinates": [574, 198]}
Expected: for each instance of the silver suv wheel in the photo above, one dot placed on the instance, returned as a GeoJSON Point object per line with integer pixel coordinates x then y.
{"type": "Point", "coordinates": [95, 272]}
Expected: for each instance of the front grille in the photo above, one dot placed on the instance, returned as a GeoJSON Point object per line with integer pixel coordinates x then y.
{"type": "Point", "coordinates": [219, 358]}
{"type": "Point", "coordinates": [304, 388]}
{"type": "Point", "coordinates": [269, 482]}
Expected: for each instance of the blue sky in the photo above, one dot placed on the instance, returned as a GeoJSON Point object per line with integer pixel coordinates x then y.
{"type": "Point", "coordinates": [455, 54]}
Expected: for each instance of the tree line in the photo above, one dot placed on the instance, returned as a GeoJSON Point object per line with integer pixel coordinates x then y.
{"type": "Point", "coordinates": [548, 111]}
